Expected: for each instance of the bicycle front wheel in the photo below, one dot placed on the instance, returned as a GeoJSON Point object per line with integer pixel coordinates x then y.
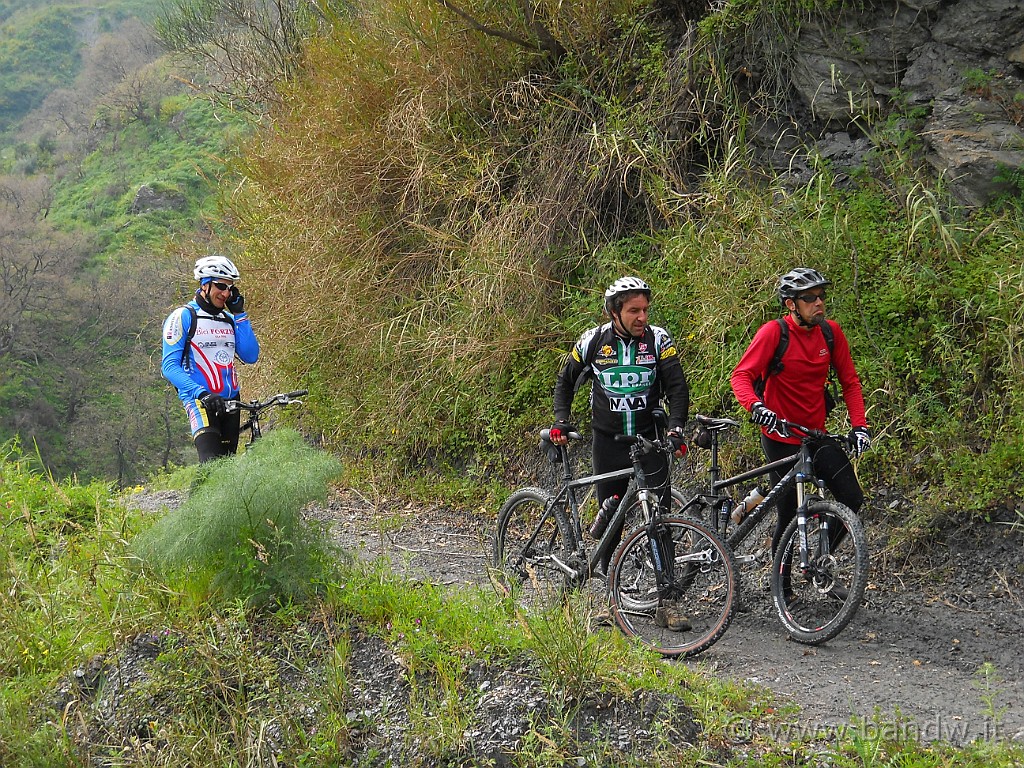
{"type": "Point", "coordinates": [696, 602]}
{"type": "Point", "coordinates": [531, 540]}
{"type": "Point", "coordinates": [816, 604]}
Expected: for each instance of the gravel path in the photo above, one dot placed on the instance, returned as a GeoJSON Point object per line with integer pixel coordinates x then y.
{"type": "Point", "coordinates": [919, 646]}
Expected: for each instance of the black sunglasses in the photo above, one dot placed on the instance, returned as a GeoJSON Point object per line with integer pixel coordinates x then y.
{"type": "Point", "coordinates": [810, 298]}
{"type": "Point", "coordinates": [223, 286]}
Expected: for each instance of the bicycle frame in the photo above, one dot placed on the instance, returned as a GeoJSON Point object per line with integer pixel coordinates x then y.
{"type": "Point", "coordinates": [801, 471]}
{"type": "Point", "coordinates": [566, 497]}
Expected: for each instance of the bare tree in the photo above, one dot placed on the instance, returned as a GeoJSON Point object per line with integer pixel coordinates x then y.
{"type": "Point", "coordinates": [249, 46]}
{"type": "Point", "coordinates": [35, 260]}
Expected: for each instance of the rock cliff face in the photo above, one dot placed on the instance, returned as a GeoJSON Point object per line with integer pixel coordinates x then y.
{"type": "Point", "coordinates": [954, 67]}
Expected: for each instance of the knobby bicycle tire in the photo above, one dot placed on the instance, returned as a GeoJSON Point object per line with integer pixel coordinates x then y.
{"type": "Point", "coordinates": [530, 531]}
{"type": "Point", "coordinates": [817, 605]}
{"type": "Point", "coordinates": [704, 586]}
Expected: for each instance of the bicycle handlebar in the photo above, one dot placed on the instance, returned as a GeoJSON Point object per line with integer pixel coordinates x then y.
{"type": "Point", "coordinates": [254, 406]}
{"type": "Point", "coordinates": [720, 424]}
{"type": "Point", "coordinates": [545, 434]}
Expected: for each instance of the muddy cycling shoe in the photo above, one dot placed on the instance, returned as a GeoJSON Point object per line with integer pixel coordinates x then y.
{"type": "Point", "coordinates": [601, 619]}
{"type": "Point", "coordinates": [672, 619]}
{"type": "Point", "coordinates": [839, 592]}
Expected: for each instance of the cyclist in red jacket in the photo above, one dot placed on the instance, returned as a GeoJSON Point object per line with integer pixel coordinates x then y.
{"type": "Point", "coordinates": [796, 391]}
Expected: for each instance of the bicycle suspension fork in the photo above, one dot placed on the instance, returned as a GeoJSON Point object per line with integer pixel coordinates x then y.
{"type": "Point", "coordinates": [805, 475]}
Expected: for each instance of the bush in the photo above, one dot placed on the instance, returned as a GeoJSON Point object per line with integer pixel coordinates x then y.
{"type": "Point", "coordinates": [241, 534]}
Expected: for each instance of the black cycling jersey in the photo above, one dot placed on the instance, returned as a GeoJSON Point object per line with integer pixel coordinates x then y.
{"type": "Point", "coordinates": [629, 375]}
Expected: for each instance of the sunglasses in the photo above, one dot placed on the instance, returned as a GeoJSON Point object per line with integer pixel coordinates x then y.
{"type": "Point", "coordinates": [223, 286]}
{"type": "Point", "coordinates": [810, 298]}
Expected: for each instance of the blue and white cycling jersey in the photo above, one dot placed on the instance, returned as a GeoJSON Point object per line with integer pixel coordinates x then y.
{"type": "Point", "coordinates": [210, 362]}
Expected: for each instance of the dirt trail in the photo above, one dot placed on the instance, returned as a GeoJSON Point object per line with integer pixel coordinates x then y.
{"type": "Point", "coordinates": [918, 646]}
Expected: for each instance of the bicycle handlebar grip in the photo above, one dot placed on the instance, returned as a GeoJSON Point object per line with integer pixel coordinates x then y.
{"type": "Point", "coordinates": [297, 393]}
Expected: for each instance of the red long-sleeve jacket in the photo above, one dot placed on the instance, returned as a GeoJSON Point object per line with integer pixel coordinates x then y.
{"type": "Point", "coordinates": [797, 392]}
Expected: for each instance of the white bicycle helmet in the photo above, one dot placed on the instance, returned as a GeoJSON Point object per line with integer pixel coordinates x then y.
{"type": "Point", "coordinates": [623, 285]}
{"type": "Point", "coordinates": [798, 280]}
{"type": "Point", "coordinates": [216, 268]}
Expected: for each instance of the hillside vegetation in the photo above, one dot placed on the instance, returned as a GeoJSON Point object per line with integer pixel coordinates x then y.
{"type": "Point", "coordinates": [445, 207]}
{"type": "Point", "coordinates": [88, 267]}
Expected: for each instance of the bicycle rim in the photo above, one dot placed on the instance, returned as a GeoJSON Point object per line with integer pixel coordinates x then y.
{"type": "Point", "coordinates": [704, 587]}
{"type": "Point", "coordinates": [529, 537]}
{"type": "Point", "coordinates": [818, 604]}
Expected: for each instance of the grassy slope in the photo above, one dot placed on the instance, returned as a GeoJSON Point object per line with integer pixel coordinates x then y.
{"type": "Point", "coordinates": [448, 210]}
{"type": "Point", "coordinates": [74, 589]}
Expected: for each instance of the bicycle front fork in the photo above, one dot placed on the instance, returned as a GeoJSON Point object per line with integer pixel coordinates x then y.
{"type": "Point", "coordinates": [824, 549]}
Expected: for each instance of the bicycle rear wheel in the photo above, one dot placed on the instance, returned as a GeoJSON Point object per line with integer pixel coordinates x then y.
{"type": "Point", "coordinates": [816, 605]}
{"type": "Point", "coordinates": [703, 585]}
{"type": "Point", "coordinates": [529, 537]}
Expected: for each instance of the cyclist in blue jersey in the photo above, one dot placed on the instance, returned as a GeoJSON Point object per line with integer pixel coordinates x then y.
{"type": "Point", "coordinates": [633, 365]}
{"type": "Point", "coordinates": [201, 341]}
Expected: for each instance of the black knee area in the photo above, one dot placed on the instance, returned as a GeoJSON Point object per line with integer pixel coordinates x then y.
{"type": "Point", "coordinates": [209, 445]}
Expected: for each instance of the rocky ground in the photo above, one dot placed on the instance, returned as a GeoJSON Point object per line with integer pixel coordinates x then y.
{"type": "Point", "coordinates": [931, 622]}
{"type": "Point", "coordinates": [937, 641]}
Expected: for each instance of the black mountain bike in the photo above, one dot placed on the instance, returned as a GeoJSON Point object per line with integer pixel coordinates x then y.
{"type": "Point", "coordinates": [539, 553]}
{"type": "Point", "coordinates": [256, 408]}
{"type": "Point", "coordinates": [820, 570]}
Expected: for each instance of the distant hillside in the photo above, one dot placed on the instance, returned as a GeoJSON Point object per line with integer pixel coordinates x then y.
{"type": "Point", "coordinates": [40, 48]}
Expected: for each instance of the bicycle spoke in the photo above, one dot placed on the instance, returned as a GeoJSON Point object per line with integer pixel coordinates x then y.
{"type": "Point", "coordinates": [816, 603]}
{"type": "Point", "coordinates": [702, 589]}
{"type": "Point", "coordinates": [527, 544]}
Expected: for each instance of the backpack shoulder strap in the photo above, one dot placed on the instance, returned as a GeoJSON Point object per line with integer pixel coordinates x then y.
{"type": "Point", "coordinates": [776, 366]}
{"type": "Point", "coordinates": [194, 317]}
{"type": "Point", "coordinates": [830, 339]}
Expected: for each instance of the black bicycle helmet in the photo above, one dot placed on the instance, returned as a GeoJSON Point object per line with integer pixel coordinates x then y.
{"type": "Point", "coordinates": [798, 280]}
{"type": "Point", "coordinates": [622, 286]}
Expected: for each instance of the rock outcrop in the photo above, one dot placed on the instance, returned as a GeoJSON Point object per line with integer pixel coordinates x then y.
{"type": "Point", "coordinates": [952, 69]}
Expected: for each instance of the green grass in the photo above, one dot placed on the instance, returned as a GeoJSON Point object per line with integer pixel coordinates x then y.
{"type": "Point", "coordinates": [224, 682]}
{"type": "Point", "coordinates": [241, 534]}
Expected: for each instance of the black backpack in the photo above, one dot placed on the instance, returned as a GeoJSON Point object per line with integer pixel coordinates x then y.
{"type": "Point", "coordinates": [776, 365]}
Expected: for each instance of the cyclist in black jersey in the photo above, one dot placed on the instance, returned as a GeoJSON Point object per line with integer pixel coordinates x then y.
{"type": "Point", "coordinates": [632, 366]}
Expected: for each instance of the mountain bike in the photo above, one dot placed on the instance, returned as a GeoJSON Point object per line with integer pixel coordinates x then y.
{"type": "Point", "coordinates": [539, 553]}
{"type": "Point", "coordinates": [820, 569]}
{"type": "Point", "coordinates": [256, 408]}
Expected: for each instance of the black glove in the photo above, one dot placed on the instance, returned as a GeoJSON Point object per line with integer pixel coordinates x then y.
{"type": "Point", "coordinates": [763, 416]}
{"type": "Point", "coordinates": [212, 404]}
{"type": "Point", "coordinates": [236, 304]}
{"type": "Point", "coordinates": [677, 441]}
{"type": "Point", "coordinates": [559, 432]}
{"type": "Point", "coordinates": [860, 440]}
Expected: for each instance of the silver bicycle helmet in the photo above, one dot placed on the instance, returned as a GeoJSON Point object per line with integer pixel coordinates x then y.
{"type": "Point", "coordinates": [798, 280]}
{"type": "Point", "coordinates": [216, 268]}
{"type": "Point", "coordinates": [624, 285]}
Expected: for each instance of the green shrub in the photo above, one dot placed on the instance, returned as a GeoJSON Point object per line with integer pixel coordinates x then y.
{"type": "Point", "coordinates": [241, 533]}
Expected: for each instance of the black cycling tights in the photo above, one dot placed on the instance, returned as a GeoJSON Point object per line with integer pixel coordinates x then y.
{"type": "Point", "coordinates": [219, 439]}
{"type": "Point", "coordinates": [610, 454]}
{"type": "Point", "coordinates": [831, 464]}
